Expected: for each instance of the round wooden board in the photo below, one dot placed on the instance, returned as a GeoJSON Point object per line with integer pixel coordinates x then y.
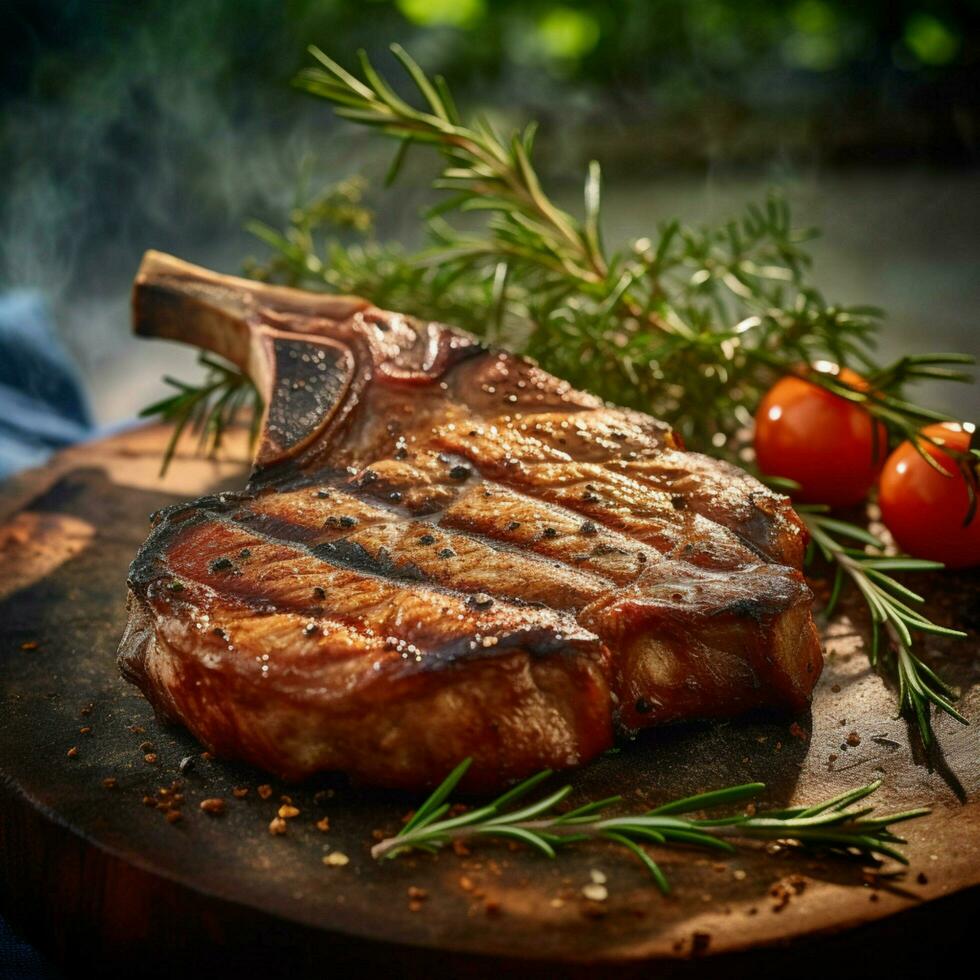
{"type": "Point", "coordinates": [94, 876]}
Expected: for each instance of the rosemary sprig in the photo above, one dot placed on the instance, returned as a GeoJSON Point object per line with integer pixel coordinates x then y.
{"type": "Point", "coordinates": [889, 603]}
{"type": "Point", "coordinates": [837, 824]}
{"type": "Point", "coordinates": [692, 326]}
{"type": "Point", "coordinates": [208, 408]}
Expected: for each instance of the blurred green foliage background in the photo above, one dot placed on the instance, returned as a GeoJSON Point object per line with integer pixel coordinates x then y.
{"type": "Point", "coordinates": [168, 123]}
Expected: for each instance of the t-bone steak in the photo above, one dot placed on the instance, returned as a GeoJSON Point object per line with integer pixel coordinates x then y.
{"type": "Point", "coordinates": [444, 551]}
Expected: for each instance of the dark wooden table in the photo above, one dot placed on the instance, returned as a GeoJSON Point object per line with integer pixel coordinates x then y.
{"type": "Point", "coordinates": [92, 875]}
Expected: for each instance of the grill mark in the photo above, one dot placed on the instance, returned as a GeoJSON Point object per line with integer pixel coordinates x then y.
{"type": "Point", "coordinates": [661, 473]}
{"type": "Point", "coordinates": [510, 625]}
{"type": "Point", "coordinates": [520, 545]}
{"type": "Point", "coordinates": [562, 573]}
{"type": "Point", "coordinates": [492, 451]}
{"type": "Point", "coordinates": [463, 515]}
{"type": "Point", "coordinates": [655, 530]}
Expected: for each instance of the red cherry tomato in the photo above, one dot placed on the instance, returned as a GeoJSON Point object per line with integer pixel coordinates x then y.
{"type": "Point", "coordinates": [924, 510]}
{"type": "Point", "coordinates": [822, 441]}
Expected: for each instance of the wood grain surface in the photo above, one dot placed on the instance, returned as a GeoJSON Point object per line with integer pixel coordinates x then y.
{"type": "Point", "coordinates": [96, 876]}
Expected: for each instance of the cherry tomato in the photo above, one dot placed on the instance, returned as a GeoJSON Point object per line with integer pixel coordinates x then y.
{"type": "Point", "coordinates": [926, 511]}
{"type": "Point", "coordinates": [824, 442]}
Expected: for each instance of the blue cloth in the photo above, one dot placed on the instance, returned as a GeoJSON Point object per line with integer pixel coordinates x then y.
{"type": "Point", "coordinates": [42, 404]}
{"type": "Point", "coordinates": [18, 961]}
{"type": "Point", "coordinates": [42, 408]}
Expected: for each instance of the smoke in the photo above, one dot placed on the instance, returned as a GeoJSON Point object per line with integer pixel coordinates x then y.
{"type": "Point", "coordinates": [170, 127]}
{"type": "Point", "coordinates": [163, 140]}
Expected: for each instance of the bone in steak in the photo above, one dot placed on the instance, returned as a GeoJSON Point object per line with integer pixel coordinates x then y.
{"type": "Point", "coordinates": [443, 552]}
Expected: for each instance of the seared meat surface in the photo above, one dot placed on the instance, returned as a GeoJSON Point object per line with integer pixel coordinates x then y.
{"type": "Point", "coordinates": [444, 551]}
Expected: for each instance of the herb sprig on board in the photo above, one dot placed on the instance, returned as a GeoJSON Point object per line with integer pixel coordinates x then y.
{"type": "Point", "coordinates": [892, 607]}
{"type": "Point", "coordinates": [209, 408]}
{"type": "Point", "coordinates": [689, 324]}
{"type": "Point", "coordinates": [839, 824]}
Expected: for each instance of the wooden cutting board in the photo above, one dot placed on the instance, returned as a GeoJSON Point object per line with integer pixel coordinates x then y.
{"type": "Point", "coordinates": [94, 876]}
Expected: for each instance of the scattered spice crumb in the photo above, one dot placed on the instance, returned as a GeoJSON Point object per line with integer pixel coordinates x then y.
{"type": "Point", "coordinates": [853, 739]}
{"type": "Point", "coordinates": [557, 903]}
{"type": "Point", "coordinates": [265, 791]}
{"type": "Point", "coordinates": [336, 859]}
{"type": "Point", "coordinates": [150, 757]}
{"type": "Point", "coordinates": [173, 816]}
{"type": "Point", "coordinates": [287, 811]}
{"type": "Point", "coordinates": [595, 892]}
{"type": "Point", "coordinates": [73, 752]}
{"type": "Point", "coordinates": [207, 756]}
{"type": "Point", "coordinates": [466, 883]}
{"type": "Point", "coordinates": [417, 894]}
{"type": "Point", "coordinates": [215, 805]}
{"type": "Point", "coordinates": [835, 688]}
{"type": "Point", "coordinates": [240, 792]}
{"type": "Point", "coordinates": [921, 878]}
{"type": "Point", "coordinates": [85, 730]}
{"type": "Point", "coordinates": [460, 849]}
{"type": "Point", "coordinates": [597, 876]}
{"type": "Point", "coordinates": [783, 891]}
{"type": "Point", "coordinates": [323, 824]}
{"type": "Point", "coordinates": [149, 801]}
{"type": "Point", "coordinates": [739, 875]}
{"type": "Point", "coordinates": [30, 645]}
{"type": "Point", "coordinates": [110, 782]}
{"type": "Point", "coordinates": [277, 826]}
{"type": "Point", "coordinates": [833, 757]}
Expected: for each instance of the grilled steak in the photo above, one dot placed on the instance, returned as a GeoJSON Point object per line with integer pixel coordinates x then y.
{"type": "Point", "coordinates": [444, 551]}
